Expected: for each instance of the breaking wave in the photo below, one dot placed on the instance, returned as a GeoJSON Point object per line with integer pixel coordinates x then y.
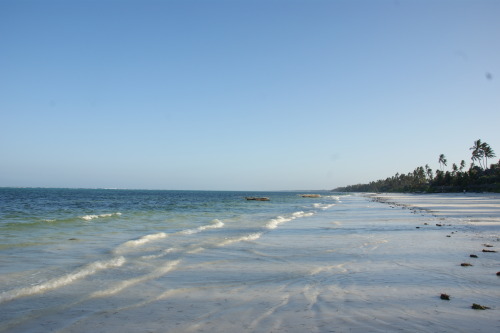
{"type": "Point", "coordinates": [141, 241]}
{"type": "Point", "coordinates": [274, 223]}
{"type": "Point", "coordinates": [215, 224]}
{"type": "Point", "coordinates": [323, 206]}
{"type": "Point", "coordinates": [92, 217]}
{"type": "Point", "coordinates": [247, 238]}
{"type": "Point", "coordinates": [153, 237]}
{"type": "Point", "coordinates": [55, 283]}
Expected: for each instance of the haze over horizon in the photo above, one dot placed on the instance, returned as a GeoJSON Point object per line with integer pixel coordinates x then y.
{"type": "Point", "coordinates": [242, 95]}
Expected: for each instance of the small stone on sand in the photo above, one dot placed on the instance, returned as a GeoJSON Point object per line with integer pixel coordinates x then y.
{"type": "Point", "coordinates": [479, 307]}
{"type": "Point", "coordinates": [445, 297]}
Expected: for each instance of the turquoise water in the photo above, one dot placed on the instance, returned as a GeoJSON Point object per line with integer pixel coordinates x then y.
{"type": "Point", "coordinates": [49, 232]}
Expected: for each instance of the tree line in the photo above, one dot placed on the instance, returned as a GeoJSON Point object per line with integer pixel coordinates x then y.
{"type": "Point", "coordinates": [479, 177]}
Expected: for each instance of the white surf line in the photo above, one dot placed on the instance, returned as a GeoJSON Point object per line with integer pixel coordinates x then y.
{"type": "Point", "coordinates": [215, 224]}
{"type": "Point", "coordinates": [134, 243]}
{"type": "Point", "coordinates": [88, 217]}
{"type": "Point", "coordinates": [323, 206]}
{"type": "Point", "coordinates": [62, 281]}
{"type": "Point", "coordinates": [172, 265]}
{"type": "Point", "coordinates": [274, 223]}
{"type": "Point", "coordinates": [125, 284]}
{"type": "Point", "coordinates": [159, 272]}
{"type": "Point", "coordinates": [249, 237]}
{"type": "Point", "coordinates": [164, 270]}
{"type": "Point", "coordinates": [139, 242]}
{"type": "Point", "coordinates": [96, 216]}
{"type": "Point", "coordinates": [163, 253]}
{"type": "Point", "coordinates": [226, 241]}
{"type": "Point", "coordinates": [271, 224]}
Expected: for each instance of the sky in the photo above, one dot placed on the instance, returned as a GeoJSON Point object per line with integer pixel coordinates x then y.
{"type": "Point", "coordinates": [242, 95]}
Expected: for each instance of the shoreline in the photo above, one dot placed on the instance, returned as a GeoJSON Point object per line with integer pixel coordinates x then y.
{"type": "Point", "coordinates": [474, 208]}
{"type": "Point", "coordinates": [479, 213]}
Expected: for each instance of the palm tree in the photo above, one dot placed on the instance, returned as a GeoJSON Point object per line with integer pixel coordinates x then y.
{"type": "Point", "coordinates": [477, 152]}
{"type": "Point", "coordinates": [442, 161]}
{"type": "Point", "coordinates": [429, 172]}
{"type": "Point", "coordinates": [487, 153]}
{"type": "Point", "coordinates": [462, 165]}
{"type": "Point", "coordinates": [481, 151]}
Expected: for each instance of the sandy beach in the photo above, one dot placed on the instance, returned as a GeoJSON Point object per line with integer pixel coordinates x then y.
{"type": "Point", "coordinates": [473, 208]}
{"type": "Point", "coordinates": [468, 258]}
{"type": "Point", "coordinates": [347, 263]}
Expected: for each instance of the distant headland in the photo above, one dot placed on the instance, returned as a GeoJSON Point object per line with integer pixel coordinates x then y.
{"type": "Point", "coordinates": [478, 178]}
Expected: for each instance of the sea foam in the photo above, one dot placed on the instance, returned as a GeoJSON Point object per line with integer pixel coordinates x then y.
{"type": "Point", "coordinates": [215, 224]}
{"type": "Point", "coordinates": [274, 223]}
{"type": "Point", "coordinates": [64, 280]}
{"type": "Point", "coordinates": [92, 216]}
{"type": "Point", "coordinates": [141, 241]}
{"type": "Point", "coordinates": [323, 206]}
{"type": "Point", "coordinates": [250, 237]}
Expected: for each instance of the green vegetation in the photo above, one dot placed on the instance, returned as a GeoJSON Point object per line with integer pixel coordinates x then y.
{"type": "Point", "coordinates": [479, 178]}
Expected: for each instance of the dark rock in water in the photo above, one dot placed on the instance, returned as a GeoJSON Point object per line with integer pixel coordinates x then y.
{"type": "Point", "coordinates": [445, 297]}
{"type": "Point", "coordinates": [438, 225]}
{"type": "Point", "coordinates": [72, 239]}
{"type": "Point", "coordinates": [465, 264]}
{"type": "Point", "coordinates": [258, 198]}
{"type": "Point", "coordinates": [473, 256]}
{"type": "Point", "coordinates": [426, 223]}
{"type": "Point", "coordinates": [417, 227]}
{"type": "Point", "coordinates": [487, 245]}
{"type": "Point", "coordinates": [448, 236]}
{"type": "Point", "coordinates": [498, 273]}
{"type": "Point", "coordinates": [491, 251]}
{"type": "Point", "coordinates": [310, 195]}
{"type": "Point", "coordinates": [479, 307]}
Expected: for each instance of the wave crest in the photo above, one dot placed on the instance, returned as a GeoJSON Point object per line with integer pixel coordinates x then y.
{"type": "Point", "coordinates": [144, 239]}
{"type": "Point", "coordinates": [64, 280]}
{"type": "Point", "coordinates": [246, 238]}
{"type": "Point", "coordinates": [323, 206]}
{"type": "Point", "coordinates": [274, 223]}
{"type": "Point", "coordinates": [215, 224]}
{"type": "Point", "coordinates": [92, 217]}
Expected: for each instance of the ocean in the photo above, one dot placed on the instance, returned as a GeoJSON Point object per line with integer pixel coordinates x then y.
{"type": "Point", "coordinates": [106, 260]}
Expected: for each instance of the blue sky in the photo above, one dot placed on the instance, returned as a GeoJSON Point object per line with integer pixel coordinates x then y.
{"type": "Point", "coordinates": [242, 95]}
